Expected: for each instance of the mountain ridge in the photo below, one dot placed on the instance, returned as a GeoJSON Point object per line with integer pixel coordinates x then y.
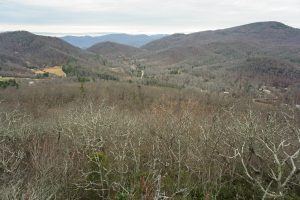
{"type": "Point", "coordinates": [194, 56]}
{"type": "Point", "coordinates": [112, 49]}
{"type": "Point", "coordinates": [256, 32]}
{"type": "Point", "coordinates": [122, 38]}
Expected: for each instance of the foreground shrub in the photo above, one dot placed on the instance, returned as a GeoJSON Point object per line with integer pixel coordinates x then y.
{"type": "Point", "coordinates": [176, 148]}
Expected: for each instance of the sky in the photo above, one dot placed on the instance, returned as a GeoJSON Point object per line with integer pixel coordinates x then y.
{"type": "Point", "coordinates": [92, 17]}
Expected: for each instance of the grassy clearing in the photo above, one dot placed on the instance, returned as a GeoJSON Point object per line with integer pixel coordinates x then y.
{"type": "Point", "coordinates": [6, 78]}
{"type": "Point", "coordinates": [114, 140]}
{"type": "Point", "coordinates": [56, 70]}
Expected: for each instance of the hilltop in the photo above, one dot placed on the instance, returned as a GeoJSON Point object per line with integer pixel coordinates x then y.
{"type": "Point", "coordinates": [111, 49]}
{"type": "Point", "coordinates": [21, 51]}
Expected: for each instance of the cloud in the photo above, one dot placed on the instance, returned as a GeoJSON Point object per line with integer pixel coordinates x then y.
{"type": "Point", "coordinates": [151, 15]}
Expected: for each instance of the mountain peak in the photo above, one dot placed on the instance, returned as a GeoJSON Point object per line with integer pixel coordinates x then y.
{"type": "Point", "coordinates": [17, 33]}
{"type": "Point", "coordinates": [275, 24]}
{"type": "Point", "coordinates": [262, 26]}
{"type": "Point", "coordinates": [272, 24]}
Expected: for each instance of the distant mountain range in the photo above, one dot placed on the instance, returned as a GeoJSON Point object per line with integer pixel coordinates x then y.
{"type": "Point", "coordinates": [266, 49]}
{"type": "Point", "coordinates": [126, 39]}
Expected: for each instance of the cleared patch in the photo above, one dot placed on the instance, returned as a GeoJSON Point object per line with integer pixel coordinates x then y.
{"type": "Point", "coordinates": [6, 78]}
{"type": "Point", "coordinates": [56, 70]}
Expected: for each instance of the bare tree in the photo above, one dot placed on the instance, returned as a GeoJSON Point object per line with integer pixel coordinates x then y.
{"type": "Point", "coordinates": [274, 170]}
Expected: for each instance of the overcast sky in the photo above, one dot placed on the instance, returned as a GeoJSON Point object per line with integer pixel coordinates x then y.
{"type": "Point", "coordinates": [141, 16]}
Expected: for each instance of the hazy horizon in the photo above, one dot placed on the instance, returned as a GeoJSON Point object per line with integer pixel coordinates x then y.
{"type": "Point", "coordinates": [95, 34]}
{"type": "Point", "coordinates": [90, 17]}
